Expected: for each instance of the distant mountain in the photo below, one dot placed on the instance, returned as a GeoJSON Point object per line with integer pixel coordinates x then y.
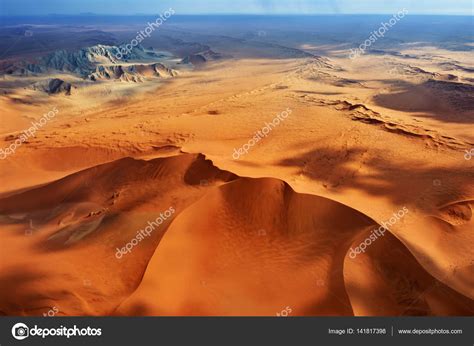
{"type": "Point", "coordinates": [97, 62]}
{"type": "Point", "coordinates": [132, 73]}
{"type": "Point", "coordinates": [201, 57]}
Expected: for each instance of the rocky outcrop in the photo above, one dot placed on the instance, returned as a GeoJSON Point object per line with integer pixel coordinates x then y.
{"type": "Point", "coordinates": [132, 73]}
{"type": "Point", "coordinates": [53, 86]}
{"type": "Point", "coordinates": [96, 62]}
{"type": "Point", "coordinates": [201, 57]}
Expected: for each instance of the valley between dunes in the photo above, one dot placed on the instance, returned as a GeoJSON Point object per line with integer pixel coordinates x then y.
{"type": "Point", "coordinates": [250, 236]}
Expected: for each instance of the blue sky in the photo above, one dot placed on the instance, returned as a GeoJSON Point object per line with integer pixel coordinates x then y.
{"type": "Point", "coordinates": [34, 7]}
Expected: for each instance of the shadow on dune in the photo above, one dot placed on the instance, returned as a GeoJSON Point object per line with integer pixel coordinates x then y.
{"type": "Point", "coordinates": [258, 246]}
{"type": "Point", "coordinates": [235, 246]}
{"type": "Point", "coordinates": [399, 286]}
{"type": "Point", "coordinates": [446, 101]}
{"type": "Point", "coordinates": [438, 228]}
{"type": "Point", "coordinates": [16, 295]}
{"type": "Point", "coordinates": [347, 169]}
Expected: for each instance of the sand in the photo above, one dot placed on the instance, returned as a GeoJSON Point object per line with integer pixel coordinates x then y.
{"type": "Point", "coordinates": [254, 236]}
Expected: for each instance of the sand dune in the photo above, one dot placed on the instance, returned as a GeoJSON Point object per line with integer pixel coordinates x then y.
{"type": "Point", "coordinates": [82, 201]}
{"type": "Point", "coordinates": [72, 227]}
{"type": "Point", "coordinates": [360, 112]}
{"type": "Point", "coordinates": [398, 285]}
{"type": "Point", "coordinates": [262, 247]}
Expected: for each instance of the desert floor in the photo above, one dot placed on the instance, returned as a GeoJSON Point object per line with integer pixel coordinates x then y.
{"type": "Point", "coordinates": [267, 233]}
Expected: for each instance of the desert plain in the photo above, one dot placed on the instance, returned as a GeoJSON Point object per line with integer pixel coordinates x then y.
{"type": "Point", "coordinates": [242, 172]}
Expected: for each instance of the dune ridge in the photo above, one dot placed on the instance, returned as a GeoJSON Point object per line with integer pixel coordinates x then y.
{"type": "Point", "coordinates": [131, 202]}
{"type": "Point", "coordinates": [361, 112]}
{"type": "Point", "coordinates": [263, 247]}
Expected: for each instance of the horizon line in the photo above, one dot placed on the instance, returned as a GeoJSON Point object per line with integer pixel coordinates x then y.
{"type": "Point", "coordinates": [233, 14]}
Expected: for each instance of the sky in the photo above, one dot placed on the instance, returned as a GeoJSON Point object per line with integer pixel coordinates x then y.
{"type": "Point", "coordinates": [129, 7]}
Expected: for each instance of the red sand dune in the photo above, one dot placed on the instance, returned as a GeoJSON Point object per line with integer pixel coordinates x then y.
{"type": "Point", "coordinates": [234, 246]}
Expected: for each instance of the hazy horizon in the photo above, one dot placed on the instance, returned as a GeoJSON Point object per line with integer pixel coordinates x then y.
{"type": "Point", "coordinates": [238, 7]}
{"type": "Point", "coordinates": [90, 14]}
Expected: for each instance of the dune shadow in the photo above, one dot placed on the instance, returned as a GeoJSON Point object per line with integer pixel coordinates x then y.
{"type": "Point", "coordinates": [346, 169]}
{"type": "Point", "coordinates": [17, 290]}
{"type": "Point", "coordinates": [446, 101]}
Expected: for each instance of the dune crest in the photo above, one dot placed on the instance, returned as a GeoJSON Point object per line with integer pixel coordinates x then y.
{"type": "Point", "coordinates": [131, 200]}
{"type": "Point", "coordinates": [246, 246]}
